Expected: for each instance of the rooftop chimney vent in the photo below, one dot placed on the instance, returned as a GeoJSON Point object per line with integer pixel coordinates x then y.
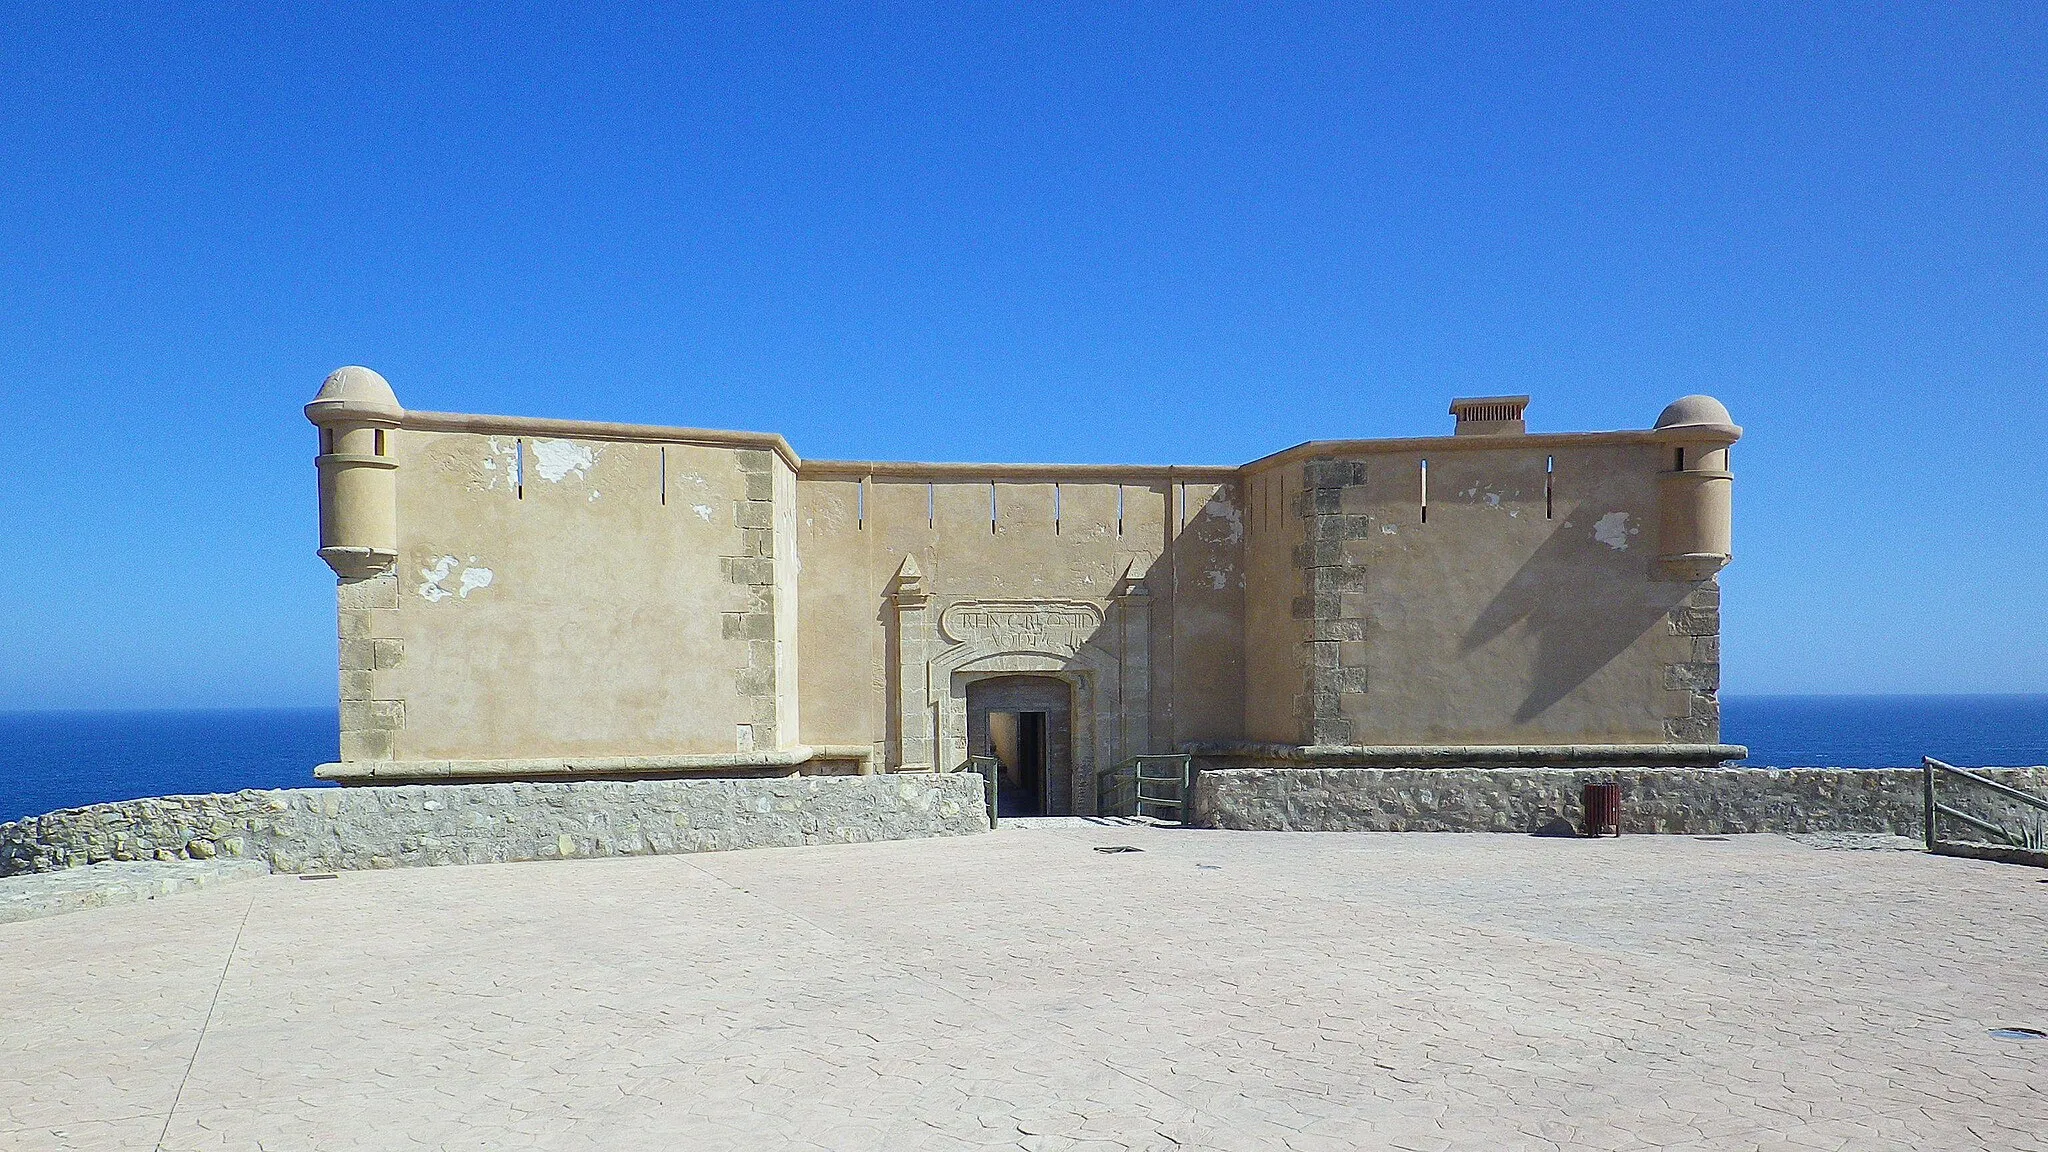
{"type": "Point", "coordinates": [1490, 415]}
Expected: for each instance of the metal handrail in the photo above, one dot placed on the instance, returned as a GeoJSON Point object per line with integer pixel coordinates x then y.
{"type": "Point", "coordinates": [2004, 790]}
{"type": "Point", "coordinates": [1123, 785]}
{"type": "Point", "coordinates": [988, 768]}
{"type": "Point", "coordinates": [1935, 810]}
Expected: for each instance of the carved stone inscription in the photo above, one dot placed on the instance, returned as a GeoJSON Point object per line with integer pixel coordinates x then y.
{"type": "Point", "coordinates": [1021, 625]}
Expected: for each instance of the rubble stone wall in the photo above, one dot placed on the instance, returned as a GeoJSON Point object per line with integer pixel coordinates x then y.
{"type": "Point", "coordinates": [1682, 800]}
{"type": "Point", "coordinates": [338, 829]}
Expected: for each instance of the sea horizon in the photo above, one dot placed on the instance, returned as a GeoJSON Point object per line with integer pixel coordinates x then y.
{"type": "Point", "coordinates": [53, 759]}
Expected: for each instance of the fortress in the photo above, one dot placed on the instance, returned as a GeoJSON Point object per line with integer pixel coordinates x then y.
{"type": "Point", "coordinates": [567, 639]}
{"type": "Point", "coordinates": [527, 599]}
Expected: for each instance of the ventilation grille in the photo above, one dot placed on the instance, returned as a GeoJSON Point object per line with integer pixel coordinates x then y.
{"type": "Point", "coordinates": [1489, 408]}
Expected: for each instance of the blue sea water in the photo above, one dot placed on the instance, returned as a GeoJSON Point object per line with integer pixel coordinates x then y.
{"type": "Point", "coordinates": [1887, 731]}
{"type": "Point", "coordinates": [52, 760]}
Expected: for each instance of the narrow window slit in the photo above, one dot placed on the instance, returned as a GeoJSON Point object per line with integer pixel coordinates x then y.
{"type": "Point", "coordinates": [661, 480]}
{"type": "Point", "coordinates": [931, 505]}
{"type": "Point", "coordinates": [1549, 485]}
{"type": "Point", "coordinates": [377, 443]}
{"type": "Point", "coordinates": [1425, 490]}
{"type": "Point", "coordinates": [1055, 509]}
{"type": "Point", "coordinates": [1678, 459]}
{"type": "Point", "coordinates": [991, 507]}
{"type": "Point", "coordinates": [1119, 509]}
{"type": "Point", "coordinates": [860, 506]}
{"type": "Point", "coordinates": [519, 469]}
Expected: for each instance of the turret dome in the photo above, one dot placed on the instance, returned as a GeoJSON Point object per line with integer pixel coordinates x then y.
{"type": "Point", "coordinates": [1695, 412]}
{"type": "Point", "coordinates": [354, 390]}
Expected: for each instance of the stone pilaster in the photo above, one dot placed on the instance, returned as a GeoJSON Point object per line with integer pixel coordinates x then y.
{"type": "Point", "coordinates": [367, 623]}
{"type": "Point", "coordinates": [1697, 618]}
{"type": "Point", "coordinates": [916, 739]}
{"type": "Point", "coordinates": [1333, 578]}
{"type": "Point", "coordinates": [1133, 608]}
{"type": "Point", "coordinates": [753, 572]}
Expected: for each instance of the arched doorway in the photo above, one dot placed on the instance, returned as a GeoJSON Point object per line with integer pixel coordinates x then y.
{"type": "Point", "coordinates": [1026, 723]}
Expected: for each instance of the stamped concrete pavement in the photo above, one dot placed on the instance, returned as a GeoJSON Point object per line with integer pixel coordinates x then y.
{"type": "Point", "coordinates": [1021, 990]}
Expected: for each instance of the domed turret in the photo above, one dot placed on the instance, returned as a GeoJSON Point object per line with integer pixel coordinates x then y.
{"type": "Point", "coordinates": [357, 414]}
{"type": "Point", "coordinates": [1697, 412]}
{"type": "Point", "coordinates": [1696, 497]}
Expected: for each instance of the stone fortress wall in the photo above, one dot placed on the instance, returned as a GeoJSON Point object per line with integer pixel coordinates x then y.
{"type": "Point", "coordinates": [533, 598]}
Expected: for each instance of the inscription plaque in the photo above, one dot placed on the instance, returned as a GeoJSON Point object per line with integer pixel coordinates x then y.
{"type": "Point", "coordinates": [1031, 625]}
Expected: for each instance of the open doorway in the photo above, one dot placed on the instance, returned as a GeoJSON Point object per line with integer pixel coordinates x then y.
{"type": "Point", "coordinates": [1017, 741]}
{"type": "Point", "coordinates": [1022, 721]}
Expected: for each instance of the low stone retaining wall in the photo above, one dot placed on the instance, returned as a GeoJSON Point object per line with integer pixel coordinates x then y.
{"type": "Point", "coordinates": [1683, 800]}
{"type": "Point", "coordinates": [339, 829]}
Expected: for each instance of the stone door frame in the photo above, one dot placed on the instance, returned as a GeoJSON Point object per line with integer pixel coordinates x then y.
{"type": "Point", "coordinates": [1107, 671]}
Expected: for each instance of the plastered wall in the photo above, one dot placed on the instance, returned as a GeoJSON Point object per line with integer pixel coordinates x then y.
{"type": "Point", "coordinates": [567, 597]}
{"type": "Point", "coordinates": [1277, 631]}
{"type": "Point", "coordinates": [1512, 598]}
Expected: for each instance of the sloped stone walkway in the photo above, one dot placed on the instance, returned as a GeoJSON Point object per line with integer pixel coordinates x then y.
{"type": "Point", "coordinates": [100, 885]}
{"type": "Point", "coordinates": [1021, 990]}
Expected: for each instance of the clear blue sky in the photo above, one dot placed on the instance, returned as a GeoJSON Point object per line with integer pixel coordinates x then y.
{"type": "Point", "coordinates": [1033, 231]}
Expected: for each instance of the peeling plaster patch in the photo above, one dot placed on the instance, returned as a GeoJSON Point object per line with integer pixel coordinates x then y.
{"type": "Point", "coordinates": [1613, 531]}
{"type": "Point", "coordinates": [431, 589]}
{"type": "Point", "coordinates": [1219, 578]}
{"type": "Point", "coordinates": [594, 493]}
{"type": "Point", "coordinates": [1227, 512]}
{"type": "Point", "coordinates": [500, 464]}
{"type": "Point", "coordinates": [1387, 529]}
{"type": "Point", "coordinates": [555, 460]}
{"type": "Point", "coordinates": [703, 512]}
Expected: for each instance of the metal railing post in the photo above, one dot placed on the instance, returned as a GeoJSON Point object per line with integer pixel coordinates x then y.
{"type": "Point", "coordinates": [1927, 769]}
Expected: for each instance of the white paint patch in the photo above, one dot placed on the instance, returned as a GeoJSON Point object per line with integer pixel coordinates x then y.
{"type": "Point", "coordinates": [556, 460]}
{"type": "Point", "coordinates": [594, 494]}
{"type": "Point", "coordinates": [433, 587]}
{"type": "Point", "coordinates": [500, 464]}
{"type": "Point", "coordinates": [1613, 531]}
{"type": "Point", "coordinates": [1218, 579]}
{"type": "Point", "coordinates": [703, 512]}
{"type": "Point", "coordinates": [1387, 529]}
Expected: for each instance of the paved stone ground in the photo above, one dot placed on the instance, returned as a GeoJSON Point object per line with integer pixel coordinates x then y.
{"type": "Point", "coordinates": [1216, 991]}
{"type": "Point", "coordinates": [98, 885]}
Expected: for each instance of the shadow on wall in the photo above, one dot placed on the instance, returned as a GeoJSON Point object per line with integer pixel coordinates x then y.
{"type": "Point", "coordinates": [1578, 634]}
{"type": "Point", "coordinates": [1190, 597]}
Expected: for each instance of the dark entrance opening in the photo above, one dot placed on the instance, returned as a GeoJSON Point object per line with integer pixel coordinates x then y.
{"type": "Point", "coordinates": [1018, 742]}
{"type": "Point", "coordinates": [1025, 723]}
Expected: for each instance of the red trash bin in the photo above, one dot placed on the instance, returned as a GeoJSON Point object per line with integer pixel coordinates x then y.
{"type": "Point", "coordinates": [1603, 809]}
